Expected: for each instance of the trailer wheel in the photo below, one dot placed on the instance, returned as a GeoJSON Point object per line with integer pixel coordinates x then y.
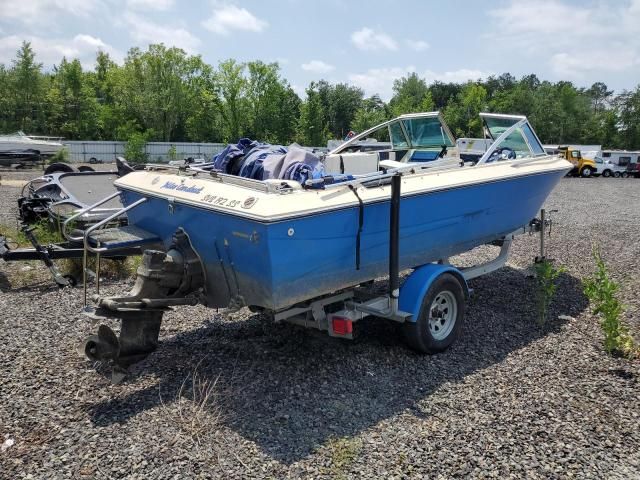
{"type": "Point", "coordinates": [441, 316]}
{"type": "Point", "coordinates": [58, 167]}
{"type": "Point", "coordinates": [606, 173]}
{"type": "Point", "coordinates": [585, 172]}
{"type": "Point", "coordinates": [616, 174]}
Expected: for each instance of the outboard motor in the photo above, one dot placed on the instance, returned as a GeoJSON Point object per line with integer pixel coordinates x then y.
{"type": "Point", "coordinates": [163, 280]}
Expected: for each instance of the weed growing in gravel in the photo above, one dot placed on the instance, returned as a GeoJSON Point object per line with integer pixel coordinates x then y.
{"type": "Point", "coordinates": [42, 231]}
{"type": "Point", "coordinates": [601, 291]}
{"type": "Point", "coordinates": [546, 275]}
{"type": "Point", "coordinates": [113, 269]}
{"type": "Point", "coordinates": [198, 407]}
{"type": "Point", "coordinates": [61, 155]}
{"type": "Point", "coordinates": [343, 452]}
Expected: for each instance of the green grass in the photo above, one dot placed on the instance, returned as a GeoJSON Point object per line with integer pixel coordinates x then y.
{"type": "Point", "coordinates": [45, 234]}
{"type": "Point", "coordinates": [343, 451]}
{"type": "Point", "coordinates": [42, 230]}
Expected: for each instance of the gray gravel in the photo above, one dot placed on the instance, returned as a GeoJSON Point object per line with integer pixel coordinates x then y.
{"type": "Point", "coordinates": [509, 400]}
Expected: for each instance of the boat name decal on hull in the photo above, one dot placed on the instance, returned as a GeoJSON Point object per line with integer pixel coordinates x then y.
{"type": "Point", "coordinates": [182, 188]}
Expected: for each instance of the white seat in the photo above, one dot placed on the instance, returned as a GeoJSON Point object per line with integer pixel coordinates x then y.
{"type": "Point", "coordinates": [356, 163]}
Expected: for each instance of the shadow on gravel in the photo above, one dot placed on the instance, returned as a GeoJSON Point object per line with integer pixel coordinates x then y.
{"type": "Point", "coordinates": [5, 284]}
{"type": "Point", "coordinates": [289, 389]}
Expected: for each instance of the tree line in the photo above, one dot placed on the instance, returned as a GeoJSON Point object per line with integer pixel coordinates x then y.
{"type": "Point", "coordinates": [164, 94]}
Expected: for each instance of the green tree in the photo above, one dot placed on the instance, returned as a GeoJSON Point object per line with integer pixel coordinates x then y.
{"type": "Point", "coordinates": [288, 114]}
{"type": "Point", "coordinates": [234, 107]}
{"type": "Point", "coordinates": [340, 103]}
{"type": "Point", "coordinates": [462, 115]}
{"type": "Point", "coordinates": [372, 113]}
{"type": "Point", "coordinates": [155, 87]}
{"type": "Point", "coordinates": [629, 111]}
{"type": "Point", "coordinates": [26, 79]}
{"type": "Point", "coordinates": [264, 94]}
{"type": "Point", "coordinates": [312, 127]}
{"type": "Point", "coordinates": [411, 95]}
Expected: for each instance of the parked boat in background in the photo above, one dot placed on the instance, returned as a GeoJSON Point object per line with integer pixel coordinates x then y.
{"type": "Point", "coordinates": [19, 148]}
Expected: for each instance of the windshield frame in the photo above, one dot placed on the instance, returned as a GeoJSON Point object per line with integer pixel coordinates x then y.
{"type": "Point", "coordinates": [521, 120]}
{"type": "Point", "coordinates": [399, 119]}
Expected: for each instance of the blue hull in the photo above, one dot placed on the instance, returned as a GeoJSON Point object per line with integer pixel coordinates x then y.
{"type": "Point", "coordinates": [275, 265]}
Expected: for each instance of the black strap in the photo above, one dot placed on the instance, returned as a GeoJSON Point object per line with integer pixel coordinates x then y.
{"type": "Point", "coordinates": [360, 222]}
{"type": "Point", "coordinates": [342, 165]}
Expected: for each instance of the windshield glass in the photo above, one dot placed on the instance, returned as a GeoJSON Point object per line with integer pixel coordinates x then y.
{"type": "Point", "coordinates": [426, 132]}
{"type": "Point", "coordinates": [512, 147]}
{"type": "Point", "coordinates": [397, 136]}
{"type": "Point", "coordinates": [497, 125]}
{"type": "Point", "coordinates": [536, 148]}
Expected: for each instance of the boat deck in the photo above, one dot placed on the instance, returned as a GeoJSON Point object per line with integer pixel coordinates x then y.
{"type": "Point", "coordinates": [90, 188]}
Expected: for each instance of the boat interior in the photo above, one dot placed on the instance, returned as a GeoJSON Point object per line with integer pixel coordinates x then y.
{"type": "Point", "coordinates": [409, 143]}
{"type": "Point", "coordinates": [424, 140]}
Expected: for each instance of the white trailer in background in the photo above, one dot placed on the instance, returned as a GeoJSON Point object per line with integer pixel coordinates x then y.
{"type": "Point", "coordinates": [618, 162]}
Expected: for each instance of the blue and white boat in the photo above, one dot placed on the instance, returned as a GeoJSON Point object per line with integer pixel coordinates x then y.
{"type": "Point", "coordinates": [296, 249]}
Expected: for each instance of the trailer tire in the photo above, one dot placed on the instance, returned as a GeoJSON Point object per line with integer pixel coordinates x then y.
{"type": "Point", "coordinates": [606, 173]}
{"type": "Point", "coordinates": [58, 167]}
{"type": "Point", "coordinates": [616, 174]}
{"type": "Point", "coordinates": [439, 322]}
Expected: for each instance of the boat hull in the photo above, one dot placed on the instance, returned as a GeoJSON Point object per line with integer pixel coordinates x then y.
{"type": "Point", "coordinates": [277, 264]}
{"type": "Point", "coordinates": [43, 148]}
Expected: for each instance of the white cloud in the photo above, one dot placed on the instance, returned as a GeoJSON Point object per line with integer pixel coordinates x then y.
{"type": "Point", "coordinates": [576, 64]}
{"type": "Point", "coordinates": [229, 18]}
{"type": "Point", "coordinates": [37, 12]}
{"type": "Point", "coordinates": [368, 39]}
{"type": "Point", "coordinates": [455, 76]}
{"type": "Point", "coordinates": [417, 45]}
{"type": "Point", "coordinates": [598, 38]}
{"type": "Point", "coordinates": [145, 31]}
{"type": "Point", "coordinates": [317, 66]}
{"type": "Point", "coordinates": [300, 90]}
{"type": "Point", "coordinates": [380, 80]}
{"type": "Point", "coordinates": [145, 5]}
{"type": "Point", "coordinates": [49, 51]}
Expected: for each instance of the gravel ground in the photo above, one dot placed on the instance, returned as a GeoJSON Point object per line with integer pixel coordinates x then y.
{"type": "Point", "coordinates": [234, 396]}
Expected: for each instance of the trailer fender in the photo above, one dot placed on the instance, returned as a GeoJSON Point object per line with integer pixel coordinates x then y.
{"type": "Point", "coordinates": [417, 284]}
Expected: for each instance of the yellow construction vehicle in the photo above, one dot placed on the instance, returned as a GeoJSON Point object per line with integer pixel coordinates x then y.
{"type": "Point", "coordinates": [583, 167]}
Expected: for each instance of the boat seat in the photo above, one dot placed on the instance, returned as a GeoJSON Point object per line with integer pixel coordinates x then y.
{"type": "Point", "coordinates": [121, 237]}
{"type": "Point", "coordinates": [355, 163]}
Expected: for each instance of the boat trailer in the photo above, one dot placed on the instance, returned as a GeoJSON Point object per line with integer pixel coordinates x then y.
{"type": "Point", "coordinates": [54, 251]}
{"type": "Point", "coordinates": [176, 277]}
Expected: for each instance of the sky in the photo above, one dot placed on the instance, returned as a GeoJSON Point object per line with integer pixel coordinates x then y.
{"type": "Point", "coordinates": [364, 43]}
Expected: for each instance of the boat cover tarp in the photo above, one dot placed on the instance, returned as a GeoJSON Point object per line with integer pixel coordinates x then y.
{"type": "Point", "coordinates": [263, 161]}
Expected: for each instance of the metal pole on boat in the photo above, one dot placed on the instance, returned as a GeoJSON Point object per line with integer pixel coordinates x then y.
{"type": "Point", "coordinates": [394, 244]}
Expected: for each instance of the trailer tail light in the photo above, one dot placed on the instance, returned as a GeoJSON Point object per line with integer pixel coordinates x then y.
{"type": "Point", "coordinates": [342, 326]}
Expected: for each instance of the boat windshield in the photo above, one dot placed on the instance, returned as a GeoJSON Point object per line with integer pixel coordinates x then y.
{"type": "Point", "coordinates": [419, 131]}
{"type": "Point", "coordinates": [514, 138]}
